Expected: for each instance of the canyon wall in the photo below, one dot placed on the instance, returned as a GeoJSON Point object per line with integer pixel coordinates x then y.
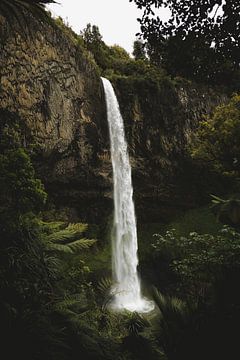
{"type": "Point", "coordinates": [52, 84]}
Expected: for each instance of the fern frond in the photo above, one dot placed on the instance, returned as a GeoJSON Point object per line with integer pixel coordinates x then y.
{"type": "Point", "coordinates": [70, 248]}
{"type": "Point", "coordinates": [216, 199]}
{"type": "Point", "coordinates": [104, 285]}
{"type": "Point", "coordinates": [59, 248]}
{"type": "Point", "coordinates": [61, 236]}
{"type": "Point", "coordinates": [170, 307]}
{"type": "Point", "coordinates": [81, 244]}
{"type": "Point", "coordinates": [69, 233]}
{"type": "Point", "coordinates": [51, 226]}
{"type": "Point", "coordinates": [51, 261]}
{"type": "Point", "coordinates": [136, 323]}
{"type": "Point", "coordinates": [78, 227]}
{"type": "Point", "coordinates": [66, 304]}
{"type": "Point", "coordinates": [18, 11]}
{"type": "Point", "coordinates": [71, 305]}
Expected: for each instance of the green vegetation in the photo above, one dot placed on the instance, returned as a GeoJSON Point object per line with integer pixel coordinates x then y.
{"type": "Point", "coordinates": [200, 40]}
{"type": "Point", "coordinates": [204, 268]}
{"type": "Point", "coordinates": [217, 138]}
{"type": "Point", "coordinates": [55, 275]}
{"type": "Point", "coordinates": [18, 12]}
{"type": "Point", "coordinates": [115, 63]}
{"type": "Point", "coordinates": [48, 304]}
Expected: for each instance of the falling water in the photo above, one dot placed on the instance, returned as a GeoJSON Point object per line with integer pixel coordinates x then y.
{"type": "Point", "coordinates": [127, 288]}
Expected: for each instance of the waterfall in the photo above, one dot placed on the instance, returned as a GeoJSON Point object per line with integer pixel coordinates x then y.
{"type": "Point", "coordinates": [127, 289]}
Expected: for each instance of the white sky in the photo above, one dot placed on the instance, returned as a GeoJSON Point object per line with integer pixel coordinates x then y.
{"type": "Point", "coordinates": [116, 19]}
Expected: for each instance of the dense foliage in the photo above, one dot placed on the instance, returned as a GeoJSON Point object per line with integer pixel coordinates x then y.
{"type": "Point", "coordinates": [48, 305]}
{"type": "Point", "coordinates": [199, 40]}
{"type": "Point", "coordinates": [114, 62]}
{"type": "Point", "coordinates": [42, 275]}
{"type": "Point", "coordinates": [206, 268]}
{"type": "Point", "coordinates": [216, 140]}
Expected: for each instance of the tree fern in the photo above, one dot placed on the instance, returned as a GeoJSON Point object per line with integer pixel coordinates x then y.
{"type": "Point", "coordinates": [51, 226]}
{"type": "Point", "coordinates": [17, 12]}
{"type": "Point", "coordinates": [58, 248]}
{"type": "Point", "coordinates": [69, 233]}
{"type": "Point", "coordinates": [17, 8]}
{"type": "Point", "coordinates": [66, 240]}
{"type": "Point", "coordinates": [72, 247]}
{"type": "Point", "coordinates": [62, 236]}
{"type": "Point", "coordinates": [78, 227]}
{"type": "Point", "coordinates": [81, 244]}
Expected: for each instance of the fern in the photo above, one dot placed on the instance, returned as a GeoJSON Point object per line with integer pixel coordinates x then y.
{"type": "Point", "coordinates": [69, 233]}
{"type": "Point", "coordinates": [81, 244]}
{"type": "Point", "coordinates": [14, 8]}
{"type": "Point", "coordinates": [65, 304]}
{"type": "Point", "coordinates": [104, 285]}
{"type": "Point", "coordinates": [18, 11]}
{"type": "Point", "coordinates": [174, 325]}
{"type": "Point", "coordinates": [72, 247]}
{"type": "Point", "coordinates": [62, 236]}
{"type": "Point", "coordinates": [71, 306]}
{"type": "Point", "coordinates": [59, 248]}
{"type": "Point", "coordinates": [170, 307]}
{"type": "Point", "coordinates": [217, 200]}
{"type": "Point", "coordinates": [136, 323]}
{"type": "Point", "coordinates": [51, 225]}
{"type": "Point", "coordinates": [66, 240]}
{"type": "Point", "coordinates": [78, 227]}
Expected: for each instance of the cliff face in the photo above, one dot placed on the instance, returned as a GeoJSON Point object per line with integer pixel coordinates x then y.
{"type": "Point", "coordinates": [53, 85]}
{"type": "Point", "coordinates": [160, 119]}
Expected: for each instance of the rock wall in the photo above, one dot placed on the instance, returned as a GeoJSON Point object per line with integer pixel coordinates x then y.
{"type": "Point", "coordinates": [160, 119]}
{"type": "Point", "coordinates": [53, 85]}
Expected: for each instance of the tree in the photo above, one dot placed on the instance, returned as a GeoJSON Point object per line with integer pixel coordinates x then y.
{"type": "Point", "coordinates": [139, 51]}
{"type": "Point", "coordinates": [30, 268]}
{"type": "Point", "coordinates": [94, 43]}
{"type": "Point", "coordinates": [21, 191]}
{"type": "Point", "coordinates": [216, 139]}
{"type": "Point", "coordinates": [106, 57]}
{"type": "Point", "coordinates": [91, 36]}
{"type": "Point", "coordinates": [197, 34]}
{"type": "Point", "coordinates": [118, 53]}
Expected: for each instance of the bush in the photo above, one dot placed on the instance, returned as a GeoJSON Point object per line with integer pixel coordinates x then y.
{"type": "Point", "coordinates": [216, 141]}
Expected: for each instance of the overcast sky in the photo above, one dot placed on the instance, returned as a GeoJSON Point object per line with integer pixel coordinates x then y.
{"type": "Point", "coordinates": [116, 19]}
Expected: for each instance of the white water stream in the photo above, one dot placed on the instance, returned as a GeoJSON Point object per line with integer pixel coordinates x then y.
{"type": "Point", "coordinates": [127, 289]}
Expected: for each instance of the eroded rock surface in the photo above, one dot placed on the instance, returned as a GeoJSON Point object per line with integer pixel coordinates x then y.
{"type": "Point", "coordinates": [53, 85]}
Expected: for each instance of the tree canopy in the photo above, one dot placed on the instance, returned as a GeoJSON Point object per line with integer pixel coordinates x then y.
{"type": "Point", "coordinates": [217, 138]}
{"type": "Point", "coordinates": [200, 38]}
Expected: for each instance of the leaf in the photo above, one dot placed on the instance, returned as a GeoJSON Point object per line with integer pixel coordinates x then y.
{"type": "Point", "coordinates": [59, 248]}
{"type": "Point", "coordinates": [104, 285]}
{"type": "Point", "coordinates": [18, 11]}
{"type": "Point", "coordinates": [217, 199]}
{"type": "Point", "coordinates": [78, 227]}
{"type": "Point", "coordinates": [81, 244]}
